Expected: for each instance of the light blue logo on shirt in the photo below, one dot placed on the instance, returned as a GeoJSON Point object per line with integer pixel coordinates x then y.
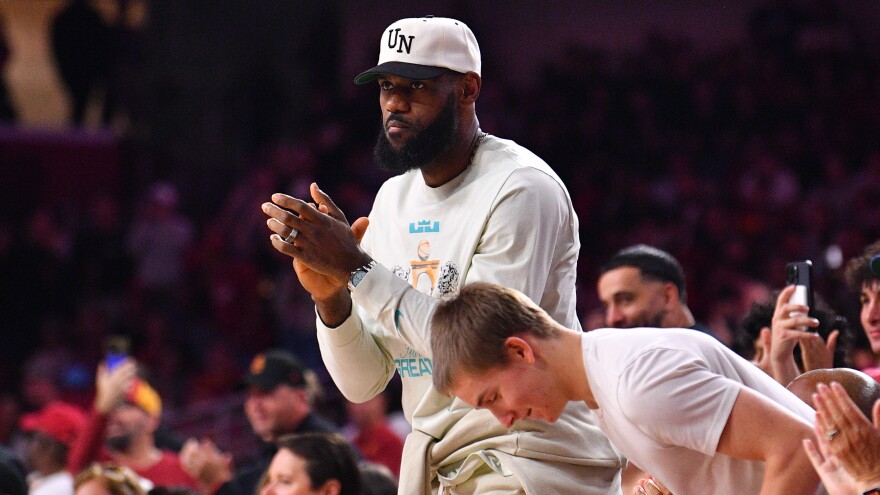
{"type": "Point", "coordinates": [424, 227]}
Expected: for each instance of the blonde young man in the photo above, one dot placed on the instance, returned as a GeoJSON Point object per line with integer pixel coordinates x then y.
{"type": "Point", "coordinates": [465, 206]}
{"type": "Point", "coordinates": [678, 403]}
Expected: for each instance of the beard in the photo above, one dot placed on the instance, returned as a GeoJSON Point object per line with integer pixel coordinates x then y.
{"type": "Point", "coordinates": [647, 320]}
{"type": "Point", "coordinates": [424, 147]}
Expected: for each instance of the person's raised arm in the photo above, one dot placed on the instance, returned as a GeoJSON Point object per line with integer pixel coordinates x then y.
{"type": "Point", "coordinates": [759, 429]}
{"type": "Point", "coordinates": [788, 320]}
{"type": "Point", "coordinates": [110, 389]}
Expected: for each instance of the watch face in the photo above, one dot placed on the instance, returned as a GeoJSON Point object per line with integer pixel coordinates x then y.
{"type": "Point", "coordinates": [357, 277]}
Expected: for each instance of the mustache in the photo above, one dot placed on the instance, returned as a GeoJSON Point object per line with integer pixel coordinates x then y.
{"type": "Point", "coordinates": [396, 118]}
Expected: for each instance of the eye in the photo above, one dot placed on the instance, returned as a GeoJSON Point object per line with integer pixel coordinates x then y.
{"type": "Point", "coordinates": [385, 85]}
{"type": "Point", "coordinates": [417, 85]}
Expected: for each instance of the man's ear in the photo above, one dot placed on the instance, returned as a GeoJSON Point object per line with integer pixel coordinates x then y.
{"type": "Point", "coordinates": [470, 87]}
{"type": "Point", "coordinates": [331, 487]}
{"type": "Point", "coordinates": [519, 349]}
{"type": "Point", "coordinates": [670, 293]}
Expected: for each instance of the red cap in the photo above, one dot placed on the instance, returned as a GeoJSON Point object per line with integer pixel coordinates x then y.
{"type": "Point", "coordinates": [59, 420]}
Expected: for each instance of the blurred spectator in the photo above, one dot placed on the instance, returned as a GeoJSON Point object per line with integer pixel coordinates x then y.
{"type": "Point", "coordinates": [11, 436]}
{"type": "Point", "coordinates": [124, 418]}
{"type": "Point", "coordinates": [642, 286]}
{"type": "Point", "coordinates": [773, 341]}
{"type": "Point", "coordinates": [40, 383]}
{"type": "Point", "coordinates": [377, 479]}
{"type": "Point", "coordinates": [109, 479]}
{"type": "Point", "coordinates": [54, 430]}
{"type": "Point", "coordinates": [103, 264]}
{"type": "Point", "coordinates": [372, 434]}
{"type": "Point", "coordinates": [862, 280]}
{"type": "Point", "coordinates": [280, 397]}
{"type": "Point", "coordinates": [82, 45]}
{"type": "Point", "coordinates": [7, 112]}
{"type": "Point", "coordinates": [319, 462]}
{"type": "Point", "coordinates": [12, 481]}
{"type": "Point", "coordinates": [158, 241]}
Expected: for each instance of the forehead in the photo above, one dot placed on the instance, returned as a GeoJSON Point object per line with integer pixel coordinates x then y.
{"type": "Point", "coordinates": [287, 462]}
{"type": "Point", "coordinates": [622, 278]}
{"type": "Point", "coordinates": [871, 287]}
{"type": "Point", "coordinates": [445, 79]}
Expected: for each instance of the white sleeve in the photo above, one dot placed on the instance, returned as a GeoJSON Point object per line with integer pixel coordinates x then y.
{"type": "Point", "coordinates": [359, 365]}
{"type": "Point", "coordinates": [529, 219]}
{"type": "Point", "coordinates": [674, 398]}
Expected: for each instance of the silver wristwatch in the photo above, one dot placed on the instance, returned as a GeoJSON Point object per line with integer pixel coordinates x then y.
{"type": "Point", "coordinates": [358, 274]}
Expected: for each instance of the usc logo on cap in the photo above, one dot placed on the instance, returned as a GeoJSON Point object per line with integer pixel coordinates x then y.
{"type": "Point", "coordinates": [258, 364]}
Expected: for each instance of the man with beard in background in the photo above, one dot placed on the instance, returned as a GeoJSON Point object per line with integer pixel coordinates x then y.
{"type": "Point", "coordinates": [124, 419]}
{"type": "Point", "coordinates": [465, 206]}
{"type": "Point", "coordinates": [642, 286]}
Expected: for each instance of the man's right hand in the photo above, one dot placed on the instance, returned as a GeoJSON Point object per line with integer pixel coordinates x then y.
{"type": "Point", "coordinates": [112, 385]}
{"type": "Point", "coordinates": [206, 463]}
{"type": "Point", "coordinates": [329, 292]}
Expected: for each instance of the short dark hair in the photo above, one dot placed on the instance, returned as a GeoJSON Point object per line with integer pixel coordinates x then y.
{"type": "Point", "coordinates": [328, 456]}
{"type": "Point", "coordinates": [858, 270]}
{"type": "Point", "coordinates": [653, 264]}
{"type": "Point", "coordinates": [469, 331]}
{"type": "Point", "coordinates": [760, 315]}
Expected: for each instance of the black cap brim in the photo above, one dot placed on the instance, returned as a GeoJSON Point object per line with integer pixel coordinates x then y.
{"type": "Point", "coordinates": [400, 69]}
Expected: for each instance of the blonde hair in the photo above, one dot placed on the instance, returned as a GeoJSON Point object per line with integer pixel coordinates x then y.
{"type": "Point", "coordinates": [468, 331]}
{"type": "Point", "coordinates": [119, 480]}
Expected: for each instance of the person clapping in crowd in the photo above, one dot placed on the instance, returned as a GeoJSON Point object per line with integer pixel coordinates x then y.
{"type": "Point", "coordinates": [848, 456]}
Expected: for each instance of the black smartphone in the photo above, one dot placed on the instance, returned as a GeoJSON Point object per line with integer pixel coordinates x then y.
{"type": "Point", "coordinates": [800, 274]}
{"type": "Point", "coordinates": [116, 349]}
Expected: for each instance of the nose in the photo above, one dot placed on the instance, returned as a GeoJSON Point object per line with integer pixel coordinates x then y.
{"type": "Point", "coordinates": [267, 490]}
{"type": "Point", "coordinates": [613, 317]}
{"type": "Point", "coordinates": [505, 418]}
{"type": "Point", "coordinates": [396, 102]}
{"type": "Point", "coordinates": [872, 309]}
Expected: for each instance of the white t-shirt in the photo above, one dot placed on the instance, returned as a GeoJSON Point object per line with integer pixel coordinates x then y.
{"type": "Point", "coordinates": [60, 483]}
{"type": "Point", "coordinates": [506, 219]}
{"type": "Point", "coordinates": [664, 397]}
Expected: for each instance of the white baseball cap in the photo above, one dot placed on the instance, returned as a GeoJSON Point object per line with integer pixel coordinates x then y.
{"type": "Point", "coordinates": [424, 48]}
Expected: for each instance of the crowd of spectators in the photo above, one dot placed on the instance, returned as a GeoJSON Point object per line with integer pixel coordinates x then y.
{"type": "Point", "coordinates": [735, 159]}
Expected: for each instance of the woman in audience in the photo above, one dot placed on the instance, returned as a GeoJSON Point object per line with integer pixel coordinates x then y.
{"type": "Point", "coordinates": [312, 464]}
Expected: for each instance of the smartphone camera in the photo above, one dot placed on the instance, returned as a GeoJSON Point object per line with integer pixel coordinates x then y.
{"type": "Point", "coordinates": [800, 274]}
{"type": "Point", "coordinates": [116, 350]}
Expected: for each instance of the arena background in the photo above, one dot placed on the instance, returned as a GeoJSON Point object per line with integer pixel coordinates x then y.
{"type": "Point", "coordinates": [736, 135]}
